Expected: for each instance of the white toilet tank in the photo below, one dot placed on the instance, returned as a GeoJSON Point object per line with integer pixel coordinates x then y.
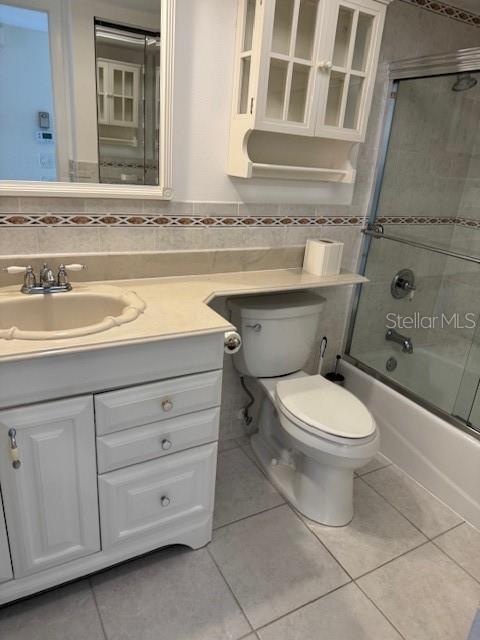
{"type": "Point", "coordinates": [278, 332]}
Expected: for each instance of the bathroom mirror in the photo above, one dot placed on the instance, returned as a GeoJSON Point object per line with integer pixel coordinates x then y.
{"type": "Point", "coordinates": [85, 97]}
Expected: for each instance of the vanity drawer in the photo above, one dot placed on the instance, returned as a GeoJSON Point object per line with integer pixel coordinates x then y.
{"type": "Point", "coordinates": [158, 499]}
{"type": "Point", "coordinates": [158, 439]}
{"type": "Point", "coordinates": [147, 403]}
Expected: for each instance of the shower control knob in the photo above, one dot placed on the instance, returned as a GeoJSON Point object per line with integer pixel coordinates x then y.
{"type": "Point", "coordinates": [164, 501]}
{"type": "Point", "coordinates": [232, 342]}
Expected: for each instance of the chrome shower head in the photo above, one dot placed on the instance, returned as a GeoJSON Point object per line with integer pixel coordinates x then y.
{"type": "Point", "coordinates": [464, 82]}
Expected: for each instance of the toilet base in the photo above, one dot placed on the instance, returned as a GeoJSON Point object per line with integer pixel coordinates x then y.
{"type": "Point", "coordinates": [319, 492]}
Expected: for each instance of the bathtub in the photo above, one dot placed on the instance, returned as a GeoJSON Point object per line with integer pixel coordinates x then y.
{"type": "Point", "coordinates": [441, 457]}
{"type": "Point", "coordinates": [428, 372]}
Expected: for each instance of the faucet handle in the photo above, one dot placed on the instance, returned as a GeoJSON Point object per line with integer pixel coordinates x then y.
{"type": "Point", "coordinates": [29, 280]}
{"type": "Point", "coordinates": [14, 270]}
{"type": "Point", "coordinates": [75, 267]}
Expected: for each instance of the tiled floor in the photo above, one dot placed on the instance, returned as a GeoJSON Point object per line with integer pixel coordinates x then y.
{"type": "Point", "coordinates": [406, 567]}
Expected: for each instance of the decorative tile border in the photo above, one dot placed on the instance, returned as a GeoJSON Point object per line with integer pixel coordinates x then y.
{"type": "Point", "coordinates": [472, 223]}
{"type": "Point", "coordinates": [128, 220]}
{"type": "Point", "coordinates": [416, 220]}
{"type": "Point", "coordinates": [469, 222]}
{"type": "Point", "coordinates": [448, 10]}
{"type": "Point", "coordinates": [132, 220]}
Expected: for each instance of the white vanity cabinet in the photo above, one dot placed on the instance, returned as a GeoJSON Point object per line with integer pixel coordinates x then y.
{"type": "Point", "coordinates": [5, 562]}
{"type": "Point", "coordinates": [304, 69]}
{"type": "Point", "coordinates": [125, 468]}
{"type": "Point", "coordinates": [50, 500]}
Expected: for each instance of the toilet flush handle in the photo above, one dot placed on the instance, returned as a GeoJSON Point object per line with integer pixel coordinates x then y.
{"type": "Point", "coordinates": [256, 327]}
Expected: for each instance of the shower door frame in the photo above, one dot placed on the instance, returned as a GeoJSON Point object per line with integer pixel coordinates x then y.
{"type": "Point", "coordinates": [459, 61]}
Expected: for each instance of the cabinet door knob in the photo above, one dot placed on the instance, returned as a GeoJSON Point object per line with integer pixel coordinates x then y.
{"type": "Point", "coordinates": [167, 405]}
{"type": "Point", "coordinates": [14, 454]}
{"type": "Point", "coordinates": [164, 501]}
{"type": "Point", "coordinates": [166, 444]}
{"type": "Point", "coordinates": [325, 65]}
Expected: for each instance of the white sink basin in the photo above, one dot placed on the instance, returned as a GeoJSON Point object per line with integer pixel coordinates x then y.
{"type": "Point", "coordinates": [83, 311]}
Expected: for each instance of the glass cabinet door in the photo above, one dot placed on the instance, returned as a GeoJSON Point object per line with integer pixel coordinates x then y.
{"type": "Point", "coordinates": [102, 93]}
{"type": "Point", "coordinates": [349, 67]}
{"type": "Point", "coordinates": [124, 95]}
{"type": "Point", "coordinates": [291, 64]}
{"type": "Point", "coordinates": [244, 104]}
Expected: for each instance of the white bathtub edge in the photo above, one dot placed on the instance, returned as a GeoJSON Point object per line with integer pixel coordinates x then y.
{"type": "Point", "coordinates": [441, 457]}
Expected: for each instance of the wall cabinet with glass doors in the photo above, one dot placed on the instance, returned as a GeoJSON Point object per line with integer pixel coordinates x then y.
{"type": "Point", "coordinates": [118, 93]}
{"type": "Point", "coordinates": [304, 77]}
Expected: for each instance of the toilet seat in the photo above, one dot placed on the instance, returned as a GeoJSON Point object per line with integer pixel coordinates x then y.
{"type": "Point", "coordinates": [324, 409]}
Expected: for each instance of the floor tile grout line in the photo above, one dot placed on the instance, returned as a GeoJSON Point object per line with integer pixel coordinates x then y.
{"type": "Point", "coordinates": [397, 510]}
{"type": "Point", "coordinates": [454, 561]}
{"type": "Point", "coordinates": [387, 562]}
{"type": "Point", "coordinates": [302, 606]}
{"type": "Point", "coordinates": [377, 607]}
{"type": "Point", "coordinates": [236, 446]}
{"type": "Point", "coordinates": [104, 631]}
{"type": "Point", "coordinates": [251, 515]}
{"type": "Point", "coordinates": [254, 460]}
{"type": "Point", "coordinates": [419, 484]}
{"type": "Point", "coordinates": [349, 581]}
{"type": "Point", "coordinates": [231, 591]}
{"type": "Point", "coordinates": [297, 514]}
{"type": "Point", "coordinates": [360, 475]}
{"type": "Point", "coordinates": [455, 526]}
{"type": "Point", "coordinates": [338, 561]}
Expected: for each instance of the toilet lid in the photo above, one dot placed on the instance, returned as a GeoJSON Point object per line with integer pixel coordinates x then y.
{"type": "Point", "coordinates": [315, 402]}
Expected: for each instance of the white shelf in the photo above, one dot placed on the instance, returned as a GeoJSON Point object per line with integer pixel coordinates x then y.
{"type": "Point", "coordinates": [263, 170]}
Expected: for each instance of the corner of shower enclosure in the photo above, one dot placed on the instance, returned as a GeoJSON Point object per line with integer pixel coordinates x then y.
{"type": "Point", "coordinates": [414, 325]}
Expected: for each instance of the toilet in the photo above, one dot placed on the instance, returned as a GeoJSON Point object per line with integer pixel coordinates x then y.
{"type": "Point", "coordinates": [311, 435]}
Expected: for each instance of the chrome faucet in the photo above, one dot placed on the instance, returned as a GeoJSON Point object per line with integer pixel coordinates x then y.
{"type": "Point", "coordinates": [47, 281]}
{"type": "Point", "coordinates": [405, 343]}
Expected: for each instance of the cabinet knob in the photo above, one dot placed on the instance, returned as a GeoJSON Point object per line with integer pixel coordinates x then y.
{"type": "Point", "coordinates": [325, 65]}
{"type": "Point", "coordinates": [166, 444]}
{"type": "Point", "coordinates": [14, 454]}
{"type": "Point", "coordinates": [164, 501]}
{"type": "Point", "coordinates": [167, 405]}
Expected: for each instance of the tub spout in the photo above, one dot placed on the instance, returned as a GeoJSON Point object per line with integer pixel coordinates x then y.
{"type": "Point", "coordinates": [404, 342]}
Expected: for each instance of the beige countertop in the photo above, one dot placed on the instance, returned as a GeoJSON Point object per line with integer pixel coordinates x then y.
{"type": "Point", "coordinates": [175, 307]}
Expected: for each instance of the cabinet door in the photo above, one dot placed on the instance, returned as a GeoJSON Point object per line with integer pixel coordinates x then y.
{"type": "Point", "coordinates": [5, 562]}
{"type": "Point", "coordinates": [347, 61]}
{"type": "Point", "coordinates": [50, 500]}
{"type": "Point", "coordinates": [288, 87]}
{"type": "Point", "coordinates": [123, 94]}
{"type": "Point", "coordinates": [102, 92]}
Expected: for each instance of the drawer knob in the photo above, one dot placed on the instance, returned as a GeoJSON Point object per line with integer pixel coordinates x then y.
{"type": "Point", "coordinates": [164, 501]}
{"type": "Point", "coordinates": [166, 444]}
{"type": "Point", "coordinates": [167, 405]}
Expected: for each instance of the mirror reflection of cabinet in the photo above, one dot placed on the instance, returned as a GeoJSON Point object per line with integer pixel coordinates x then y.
{"type": "Point", "coordinates": [305, 68]}
{"type": "Point", "coordinates": [118, 93]}
{"type": "Point", "coordinates": [130, 145]}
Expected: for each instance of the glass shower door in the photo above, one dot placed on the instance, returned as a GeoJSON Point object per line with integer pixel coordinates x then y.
{"type": "Point", "coordinates": [426, 342]}
{"type": "Point", "coordinates": [467, 405]}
